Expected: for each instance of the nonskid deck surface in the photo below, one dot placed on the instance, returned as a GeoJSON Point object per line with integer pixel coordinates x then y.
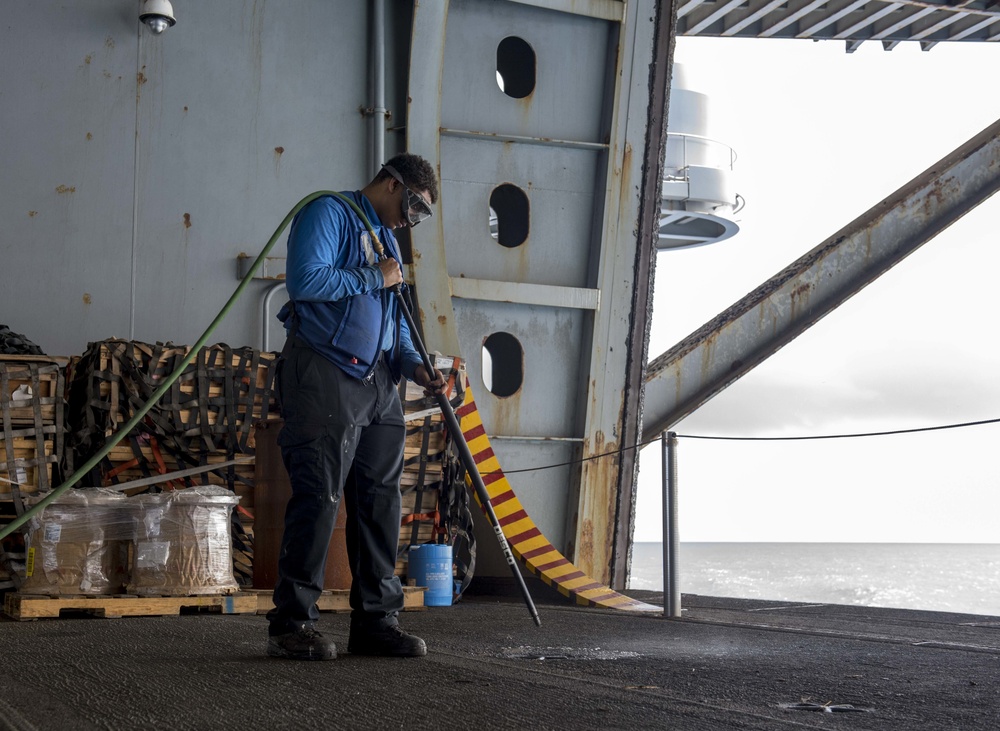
{"type": "Point", "coordinates": [727, 664]}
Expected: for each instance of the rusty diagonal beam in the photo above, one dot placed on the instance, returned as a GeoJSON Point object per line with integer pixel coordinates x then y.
{"type": "Point", "coordinates": [730, 345]}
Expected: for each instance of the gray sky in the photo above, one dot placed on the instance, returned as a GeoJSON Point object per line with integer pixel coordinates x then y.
{"type": "Point", "coordinates": [822, 136]}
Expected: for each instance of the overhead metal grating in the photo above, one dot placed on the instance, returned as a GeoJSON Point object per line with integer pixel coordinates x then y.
{"type": "Point", "coordinates": [853, 21]}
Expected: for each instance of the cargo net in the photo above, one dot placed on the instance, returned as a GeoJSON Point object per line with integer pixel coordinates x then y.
{"type": "Point", "coordinates": [435, 502]}
{"type": "Point", "coordinates": [31, 408]}
{"type": "Point", "coordinates": [32, 388]}
{"type": "Point", "coordinates": [205, 419]}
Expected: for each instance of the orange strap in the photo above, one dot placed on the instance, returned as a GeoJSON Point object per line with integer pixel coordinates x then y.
{"type": "Point", "coordinates": [120, 468]}
{"type": "Point", "coordinates": [161, 466]}
{"type": "Point", "coordinates": [435, 517]}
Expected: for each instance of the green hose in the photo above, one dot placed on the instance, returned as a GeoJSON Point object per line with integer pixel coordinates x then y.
{"type": "Point", "coordinates": [165, 386]}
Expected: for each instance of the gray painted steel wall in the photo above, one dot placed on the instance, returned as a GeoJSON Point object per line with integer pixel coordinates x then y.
{"type": "Point", "coordinates": [137, 167]}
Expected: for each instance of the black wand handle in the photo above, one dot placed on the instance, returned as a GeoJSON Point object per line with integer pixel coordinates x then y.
{"type": "Point", "coordinates": [466, 454]}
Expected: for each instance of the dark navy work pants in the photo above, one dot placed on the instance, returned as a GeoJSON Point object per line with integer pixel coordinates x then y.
{"type": "Point", "coordinates": [341, 437]}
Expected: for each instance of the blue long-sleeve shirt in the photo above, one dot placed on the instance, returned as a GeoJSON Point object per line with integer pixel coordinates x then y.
{"type": "Point", "coordinates": [333, 279]}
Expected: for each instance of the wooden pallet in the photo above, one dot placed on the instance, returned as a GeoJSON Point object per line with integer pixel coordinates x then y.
{"type": "Point", "coordinates": [338, 600]}
{"type": "Point", "coordinates": [25, 606]}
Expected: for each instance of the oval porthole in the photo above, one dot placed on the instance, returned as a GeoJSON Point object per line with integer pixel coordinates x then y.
{"type": "Point", "coordinates": [503, 364]}
{"type": "Point", "coordinates": [515, 67]}
{"type": "Point", "coordinates": [509, 214]}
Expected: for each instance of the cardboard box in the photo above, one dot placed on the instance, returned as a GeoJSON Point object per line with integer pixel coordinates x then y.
{"type": "Point", "coordinates": [78, 544]}
{"type": "Point", "coordinates": [183, 543]}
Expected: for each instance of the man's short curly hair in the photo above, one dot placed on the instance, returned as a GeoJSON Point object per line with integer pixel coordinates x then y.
{"type": "Point", "coordinates": [416, 172]}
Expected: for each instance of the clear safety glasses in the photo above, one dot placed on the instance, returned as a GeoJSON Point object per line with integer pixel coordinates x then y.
{"type": "Point", "coordinates": [415, 208]}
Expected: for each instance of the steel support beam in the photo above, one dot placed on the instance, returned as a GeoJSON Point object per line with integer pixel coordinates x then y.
{"type": "Point", "coordinates": [607, 486]}
{"type": "Point", "coordinates": [730, 345]}
{"type": "Point", "coordinates": [526, 294]}
{"type": "Point", "coordinates": [586, 279]}
{"type": "Point", "coordinates": [423, 122]}
{"type": "Point", "coordinates": [604, 9]}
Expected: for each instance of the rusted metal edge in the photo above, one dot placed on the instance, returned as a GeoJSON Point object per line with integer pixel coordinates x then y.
{"type": "Point", "coordinates": [642, 294]}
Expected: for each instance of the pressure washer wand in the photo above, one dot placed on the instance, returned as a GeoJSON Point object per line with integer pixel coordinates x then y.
{"type": "Point", "coordinates": [467, 459]}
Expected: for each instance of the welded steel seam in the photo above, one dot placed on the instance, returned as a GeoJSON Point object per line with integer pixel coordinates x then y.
{"type": "Point", "coordinates": [527, 542]}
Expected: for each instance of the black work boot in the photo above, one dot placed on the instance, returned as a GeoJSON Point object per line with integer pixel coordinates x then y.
{"type": "Point", "coordinates": [304, 643]}
{"type": "Point", "coordinates": [387, 641]}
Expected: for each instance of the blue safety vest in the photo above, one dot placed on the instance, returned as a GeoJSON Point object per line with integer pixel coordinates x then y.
{"type": "Point", "coordinates": [338, 305]}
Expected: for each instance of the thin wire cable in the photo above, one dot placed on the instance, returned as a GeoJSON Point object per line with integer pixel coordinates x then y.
{"type": "Point", "coordinates": [756, 439]}
{"type": "Point", "coordinates": [844, 436]}
{"type": "Point", "coordinates": [573, 461]}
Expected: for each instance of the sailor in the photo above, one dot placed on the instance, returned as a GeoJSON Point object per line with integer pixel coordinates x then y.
{"type": "Point", "coordinates": [346, 349]}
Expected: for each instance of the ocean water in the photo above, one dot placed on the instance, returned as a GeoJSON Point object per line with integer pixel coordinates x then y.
{"type": "Point", "coordinates": [937, 576]}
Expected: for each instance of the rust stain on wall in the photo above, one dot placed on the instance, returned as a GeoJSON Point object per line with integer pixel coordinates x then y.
{"type": "Point", "coordinates": [89, 136]}
{"type": "Point", "coordinates": [87, 298]}
{"type": "Point", "coordinates": [800, 299]}
{"type": "Point", "coordinates": [935, 198]}
{"type": "Point", "coordinates": [140, 79]}
{"type": "Point", "coordinates": [585, 549]}
{"type": "Point", "coordinates": [86, 59]}
{"type": "Point", "coordinates": [507, 414]}
{"type": "Point", "coordinates": [597, 512]}
{"type": "Point", "coordinates": [187, 220]}
{"type": "Point", "coordinates": [65, 189]}
{"type": "Point", "coordinates": [623, 175]}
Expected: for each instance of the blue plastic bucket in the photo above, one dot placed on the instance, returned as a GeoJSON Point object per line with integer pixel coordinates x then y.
{"type": "Point", "coordinates": [430, 566]}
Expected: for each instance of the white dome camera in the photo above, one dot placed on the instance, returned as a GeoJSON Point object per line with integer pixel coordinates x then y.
{"type": "Point", "coordinates": [157, 14]}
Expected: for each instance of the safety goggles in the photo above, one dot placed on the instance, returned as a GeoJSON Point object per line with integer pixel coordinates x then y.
{"type": "Point", "coordinates": [415, 208]}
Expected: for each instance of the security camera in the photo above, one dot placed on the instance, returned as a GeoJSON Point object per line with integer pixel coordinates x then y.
{"type": "Point", "coordinates": [157, 14]}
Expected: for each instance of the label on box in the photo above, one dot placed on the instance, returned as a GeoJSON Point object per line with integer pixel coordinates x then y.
{"type": "Point", "coordinates": [52, 533]}
{"type": "Point", "coordinates": [29, 566]}
{"type": "Point", "coordinates": [152, 519]}
{"type": "Point", "coordinates": [21, 393]}
{"type": "Point", "coordinates": [151, 554]}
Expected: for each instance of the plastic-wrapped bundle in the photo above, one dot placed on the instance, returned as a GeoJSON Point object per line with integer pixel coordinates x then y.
{"type": "Point", "coordinates": [78, 544]}
{"type": "Point", "coordinates": [183, 542]}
